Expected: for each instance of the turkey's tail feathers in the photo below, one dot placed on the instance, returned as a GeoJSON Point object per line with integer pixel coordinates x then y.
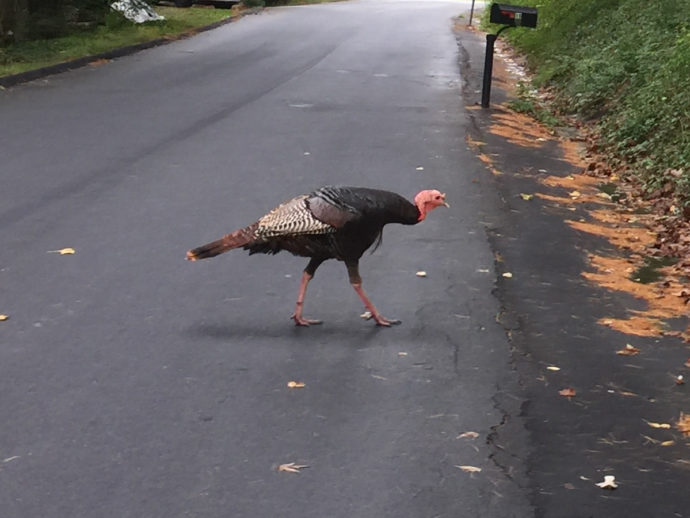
{"type": "Point", "coordinates": [236, 239]}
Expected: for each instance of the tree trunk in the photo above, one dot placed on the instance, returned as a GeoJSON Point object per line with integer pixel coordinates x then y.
{"type": "Point", "coordinates": [14, 17]}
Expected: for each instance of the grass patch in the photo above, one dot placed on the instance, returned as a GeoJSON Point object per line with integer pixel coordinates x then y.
{"type": "Point", "coordinates": [116, 33]}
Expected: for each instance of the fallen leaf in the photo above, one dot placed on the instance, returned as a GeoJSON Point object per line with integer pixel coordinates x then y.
{"type": "Point", "coordinates": [553, 368]}
{"type": "Point", "coordinates": [568, 485]}
{"type": "Point", "coordinates": [567, 392]}
{"type": "Point", "coordinates": [366, 315]}
{"type": "Point", "coordinates": [469, 469]}
{"type": "Point", "coordinates": [4, 317]}
{"type": "Point", "coordinates": [508, 275]}
{"type": "Point", "coordinates": [468, 435]}
{"type": "Point", "coordinates": [420, 168]}
{"type": "Point", "coordinates": [291, 467]}
{"type": "Point", "coordinates": [687, 363]}
{"type": "Point", "coordinates": [608, 483]}
{"type": "Point", "coordinates": [296, 384]}
{"type": "Point", "coordinates": [575, 194]}
{"type": "Point", "coordinates": [526, 197]}
{"type": "Point", "coordinates": [421, 274]}
{"type": "Point", "coordinates": [63, 251]}
{"type": "Point", "coordinates": [683, 424]}
{"type": "Point", "coordinates": [629, 350]}
{"type": "Point", "coordinates": [680, 380]}
{"type": "Point", "coordinates": [664, 426]}
{"type": "Point", "coordinates": [668, 443]}
{"type": "Point", "coordinates": [99, 62]}
{"type": "Point", "coordinates": [401, 353]}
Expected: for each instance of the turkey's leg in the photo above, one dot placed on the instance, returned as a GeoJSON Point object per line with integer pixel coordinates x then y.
{"type": "Point", "coordinates": [307, 275]}
{"type": "Point", "coordinates": [356, 281]}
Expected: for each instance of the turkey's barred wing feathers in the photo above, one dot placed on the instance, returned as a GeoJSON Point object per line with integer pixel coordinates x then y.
{"type": "Point", "coordinates": [291, 218]}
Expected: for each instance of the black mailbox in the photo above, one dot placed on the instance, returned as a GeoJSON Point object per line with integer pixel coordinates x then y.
{"type": "Point", "coordinates": [513, 15]}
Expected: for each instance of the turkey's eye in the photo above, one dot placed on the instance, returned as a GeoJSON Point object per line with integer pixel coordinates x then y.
{"type": "Point", "coordinates": [438, 197]}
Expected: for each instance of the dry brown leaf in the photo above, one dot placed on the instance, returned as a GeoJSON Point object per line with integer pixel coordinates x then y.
{"type": "Point", "coordinates": [683, 424]}
{"type": "Point", "coordinates": [567, 392]}
{"type": "Point", "coordinates": [608, 483]}
{"type": "Point", "coordinates": [296, 384]}
{"type": "Point", "coordinates": [468, 435]}
{"type": "Point", "coordinates": [629, 350]}
{"type": "Point", "coordinates": [4, 317]}
{"type": "Point", "coordinates": [469, 469]}
{"type": "Point", "coordinates": [291, 467]}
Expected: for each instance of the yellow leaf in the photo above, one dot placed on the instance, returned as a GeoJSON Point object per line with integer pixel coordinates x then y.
{"type": "Point", "coordinates": [4, 317]}
{"type": "Point", "coordinates": [296, 384]}
{"type": "Point", "coordinates": [291, 467]}
{"type": "Point", "coordinates": [665, 426]}
{"type": "Point", "coordinates": [553, 368]}
{"type": "Point", "coordinates": [526, 197]}
{"type": "Point", "coordinates": [575, 194]}
{"type": "Point", "coordinates": [668, 443]}
{"type": "Point", "coordinates": [469, 469]}
{"type": "Point", "coordinates": [64, 251]}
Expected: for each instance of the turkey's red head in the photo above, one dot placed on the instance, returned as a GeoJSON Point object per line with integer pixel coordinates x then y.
{"type": "Point", "coordinates": [428, 200]}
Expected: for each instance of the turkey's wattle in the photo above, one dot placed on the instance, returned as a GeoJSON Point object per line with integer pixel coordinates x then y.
{"type": "Point", "coordinates": [330, 223]}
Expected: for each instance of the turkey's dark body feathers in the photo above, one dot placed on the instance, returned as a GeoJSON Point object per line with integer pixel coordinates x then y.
{"type": "Point", "coordinates": [356, 217]}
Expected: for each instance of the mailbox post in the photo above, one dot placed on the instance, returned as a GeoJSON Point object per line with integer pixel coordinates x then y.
{"type": "Point", "coordinates": [509, 16]}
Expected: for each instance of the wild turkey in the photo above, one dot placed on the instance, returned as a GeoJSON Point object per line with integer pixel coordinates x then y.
{"type": "Point", "coordinates": [330, 223]}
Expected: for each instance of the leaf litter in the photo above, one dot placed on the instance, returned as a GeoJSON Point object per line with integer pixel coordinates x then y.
{"type": "Point", "coordinates": [292, 467]}
{"type": "Point", "coordinates": [63, 251]}
{"type": "Point", "coordinates": [628, 350]}
{"type": "Point", "coordinates": [608, 483]}
{"type": "Point", "coordinates": [469, 469]}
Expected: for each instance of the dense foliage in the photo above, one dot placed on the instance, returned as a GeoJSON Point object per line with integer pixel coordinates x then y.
{"type": "Point", "coordinates": [626, 65]}
{"type": "Point", "coordinates": [38, 19]}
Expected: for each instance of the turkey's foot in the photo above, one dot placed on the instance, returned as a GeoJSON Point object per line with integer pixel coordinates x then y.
{"type": "Point", "coordinates": [305, 322]}
{"type": "Point", "coordinates": [385, 322]}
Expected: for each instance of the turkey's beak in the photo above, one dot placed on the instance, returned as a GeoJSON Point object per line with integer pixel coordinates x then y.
{"type": "Point", "coordinates": [445, 202]}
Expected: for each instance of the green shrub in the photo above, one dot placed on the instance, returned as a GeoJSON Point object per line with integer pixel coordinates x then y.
{"type": "Point", "coordinates": [626, 65]}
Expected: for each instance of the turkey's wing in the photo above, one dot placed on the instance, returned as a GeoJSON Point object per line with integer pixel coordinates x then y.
{"type": "Point", "coordinates": [293, 217]}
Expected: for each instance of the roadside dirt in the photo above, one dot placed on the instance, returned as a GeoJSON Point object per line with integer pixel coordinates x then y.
{"type": "Point", "coordinates": [651, 241]}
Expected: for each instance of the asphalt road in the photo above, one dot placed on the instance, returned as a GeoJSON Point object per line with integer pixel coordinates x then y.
{"type": "Point", "coordinates": [136, 384]}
